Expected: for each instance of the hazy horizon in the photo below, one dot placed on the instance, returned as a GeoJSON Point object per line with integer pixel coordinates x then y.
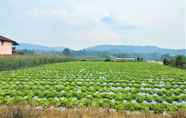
{"type": "Point", "coordinates": [61, 46]}
{"type": "Point", "coordinates": [79, 24]}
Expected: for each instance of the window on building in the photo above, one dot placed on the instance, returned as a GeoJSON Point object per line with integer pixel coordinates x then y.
{"type": "Point", "coordinates": [1, 43]}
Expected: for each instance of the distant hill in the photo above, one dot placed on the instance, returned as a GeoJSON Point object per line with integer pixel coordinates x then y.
{"type": "Point", "coordinates": [106, 51]}
{"type": "Point", "coordinates": [35, 47]}
{"type": "Point", "coordinates": [136, 49]}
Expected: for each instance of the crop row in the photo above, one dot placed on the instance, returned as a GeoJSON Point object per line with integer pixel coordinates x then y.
{"type": "Point", "coordinates": [122, 86]}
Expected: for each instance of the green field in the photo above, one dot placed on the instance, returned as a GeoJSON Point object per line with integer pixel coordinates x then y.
{"type": "Point", "coordinates": [134, 86]}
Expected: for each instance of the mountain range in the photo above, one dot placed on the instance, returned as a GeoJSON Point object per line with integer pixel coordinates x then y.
{"type": "Point", "coordinates": [107, 48]}
{"type": "Point", "coordinates": [135, 49]}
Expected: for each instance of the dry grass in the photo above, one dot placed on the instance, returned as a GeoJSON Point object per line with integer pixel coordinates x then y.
{"type": "Point", "coordinates": [39, 112]}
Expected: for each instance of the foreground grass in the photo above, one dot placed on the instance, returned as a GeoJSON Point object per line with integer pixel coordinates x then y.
{"type": "Point", "coordinates": [39, 112]}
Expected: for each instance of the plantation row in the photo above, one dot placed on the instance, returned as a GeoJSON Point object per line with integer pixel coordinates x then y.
{"type": "Point", "coordinates": [21, 61]}
{"type": "Point", "coordinates": [122, 86]}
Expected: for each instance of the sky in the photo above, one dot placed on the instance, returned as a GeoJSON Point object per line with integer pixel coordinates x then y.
{"type": "Point", "coordinates": [79, 24]}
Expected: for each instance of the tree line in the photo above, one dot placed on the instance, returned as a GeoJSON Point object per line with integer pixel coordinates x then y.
{"type": "Point", "coordinates": [178, 61]}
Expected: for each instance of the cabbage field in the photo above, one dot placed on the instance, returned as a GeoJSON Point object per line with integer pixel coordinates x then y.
{"type": "Point", "coordinates": [133, 86]}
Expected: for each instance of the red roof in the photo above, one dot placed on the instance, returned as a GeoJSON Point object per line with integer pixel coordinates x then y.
{"type": "Point", "coordinates": [2, 38]}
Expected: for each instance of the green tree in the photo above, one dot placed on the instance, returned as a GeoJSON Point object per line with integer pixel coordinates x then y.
{"type": "Point", "coordinates": [166, 56]}
{"type": "Point", "coordinates": [180, 61]}
{"type": "Point", "coordinates": [166, 61]}
{"type": "Point", "coordinates": [67, 52]}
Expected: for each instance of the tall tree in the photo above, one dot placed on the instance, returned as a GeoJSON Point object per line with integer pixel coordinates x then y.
{"type": "Point", "coordinates": [67, 52]}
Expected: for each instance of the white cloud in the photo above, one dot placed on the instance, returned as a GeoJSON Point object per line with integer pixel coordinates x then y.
{"type": "Point", "coordinates": [78, 23]}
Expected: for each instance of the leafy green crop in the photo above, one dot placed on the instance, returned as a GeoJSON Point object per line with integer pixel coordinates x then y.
{"type": "Point", "coordinates": [135, 86]}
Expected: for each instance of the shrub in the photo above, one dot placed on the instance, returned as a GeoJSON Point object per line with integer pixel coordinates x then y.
{"type": "Point", "coordinates": [107, 60]}
{"type": "Point", "coordinates": [139, 59]}
{"type": "Point", "coordinates": [166, 61]}
{"type": "Point", "coordinates": [178, 61]}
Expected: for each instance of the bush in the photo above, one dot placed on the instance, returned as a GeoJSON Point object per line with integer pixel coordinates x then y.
{"type": "Point", "coordinates": [165, 61]}
{"type": "Point", "coordinates": [107, 60]}
{"type": "Point", "coordinates": [179, 61]}
{"type": "Point", "coordinates": [140, 59]}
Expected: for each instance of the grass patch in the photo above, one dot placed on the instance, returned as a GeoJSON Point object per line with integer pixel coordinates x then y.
{"type": "Point", "coordinates": [39, 112]}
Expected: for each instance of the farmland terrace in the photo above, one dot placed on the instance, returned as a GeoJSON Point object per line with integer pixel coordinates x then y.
{"type": "Point", "coordinates": [133, 86]}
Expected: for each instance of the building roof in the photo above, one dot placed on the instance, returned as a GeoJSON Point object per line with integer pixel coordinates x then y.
{"type": "Point", "coordinates": [125, 58]}
{"type": "Point", "coordinates": [2, 38]}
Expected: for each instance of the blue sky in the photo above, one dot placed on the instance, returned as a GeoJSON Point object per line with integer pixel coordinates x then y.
{"type": "Point", "coordinates": [79, 24]}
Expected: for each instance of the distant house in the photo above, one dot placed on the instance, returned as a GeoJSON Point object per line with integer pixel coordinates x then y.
{"type": "Point", "coordinates": [124, 59]}
{"type": "Point", "coordinates": [7, 46]}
